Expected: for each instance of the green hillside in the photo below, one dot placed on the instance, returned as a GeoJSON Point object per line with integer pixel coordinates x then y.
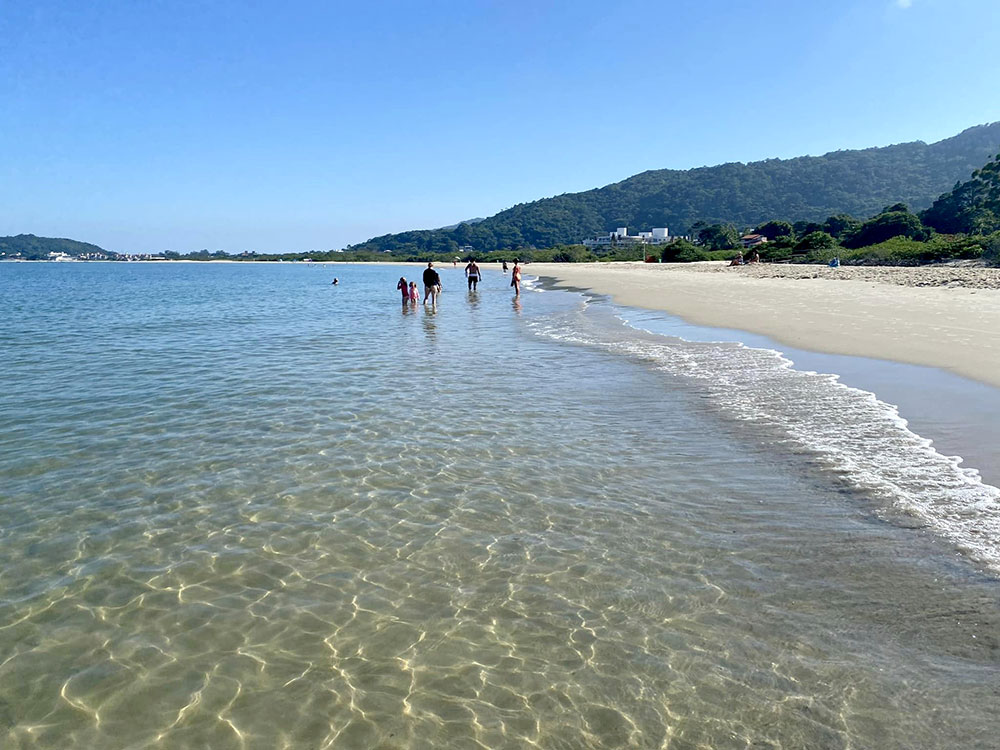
{"type": "Point", "coordinates": [30, 247]}
{"type": "Point", "coordinates": [807, 188]}
{"type": "Point", "coordinates": [972, 207]}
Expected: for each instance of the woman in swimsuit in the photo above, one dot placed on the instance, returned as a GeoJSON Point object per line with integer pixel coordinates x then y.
{"type": "Point", "coordinates": [515, 278]}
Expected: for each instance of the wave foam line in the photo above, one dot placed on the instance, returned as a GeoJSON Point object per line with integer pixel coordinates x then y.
{"type": "Point", "coordinates": [850, 431]}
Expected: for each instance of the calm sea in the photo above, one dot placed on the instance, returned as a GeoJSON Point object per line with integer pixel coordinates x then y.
{"type": "Point", "coordinates": [243, 508]}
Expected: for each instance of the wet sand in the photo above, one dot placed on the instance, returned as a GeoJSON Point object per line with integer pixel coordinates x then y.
{"type": "Point", "coordinates": [940, 316]}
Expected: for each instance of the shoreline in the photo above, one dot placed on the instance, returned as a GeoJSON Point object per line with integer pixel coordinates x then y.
{"type": "Point", "coordinates": [942, 317]}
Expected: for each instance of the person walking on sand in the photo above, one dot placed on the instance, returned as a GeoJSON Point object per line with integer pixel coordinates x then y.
{"type": "Point", "coordinates": [432, 283]}
{"type": "Point", "coordinates": [472, 274]}
{"type": "Point", "coordinates": [404, 288]}
{"type": "Point", "coordinates": [515, 278]}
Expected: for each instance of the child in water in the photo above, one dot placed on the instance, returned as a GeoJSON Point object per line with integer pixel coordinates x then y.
{"type": "Point", "coordinates": [402, 287]}
{"type": "Point", "coordinates": [414, 293]}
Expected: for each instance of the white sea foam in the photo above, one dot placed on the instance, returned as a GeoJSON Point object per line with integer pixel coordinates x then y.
{"type": "Point", "coordinates": [532, 283]}
{"type": "Point", "coordinates": [848, 431]}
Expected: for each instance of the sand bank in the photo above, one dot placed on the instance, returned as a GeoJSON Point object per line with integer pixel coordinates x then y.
{"type": "Point", "coordinates": [942, 316]}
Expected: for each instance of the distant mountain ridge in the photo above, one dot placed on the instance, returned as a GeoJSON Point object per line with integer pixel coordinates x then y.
{"type": "Point", "coordinates": [458, 224]}
{"type": "Point", "coordinates": [807, 188]}
{"type": "Point", "coordinates": [30, 247]}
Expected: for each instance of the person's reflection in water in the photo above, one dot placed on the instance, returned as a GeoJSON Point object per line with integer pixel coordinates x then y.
{"type": "Point", "coordinates": [430, 325]}
{"type": "Point", "coordinates": [474, 300]}
{"type": "Point", "coordinates": [516, 301]}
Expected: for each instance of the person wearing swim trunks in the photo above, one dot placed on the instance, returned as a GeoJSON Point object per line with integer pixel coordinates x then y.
{"type": "Point", "coordinates": [472, 274]}
{"type": "Point", "coordinates": [432, 283]}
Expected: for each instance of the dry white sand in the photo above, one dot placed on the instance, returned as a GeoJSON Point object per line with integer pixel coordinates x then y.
{"type": "Point", "coordinates": [941, 316]}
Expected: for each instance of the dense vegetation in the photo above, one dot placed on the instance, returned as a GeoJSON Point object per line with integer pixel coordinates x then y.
{"type": "Point", "coordinates": [30, 247]}
{"type": "Point", "coordinates": [972, 207]}
{"type": "Point", "coordinates": [807, 188]}
{"type": "Point", "coordinates": [963, 224]}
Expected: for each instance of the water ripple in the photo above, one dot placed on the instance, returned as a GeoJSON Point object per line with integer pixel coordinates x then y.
{"type": "Point", "coordinates": [298, 517]}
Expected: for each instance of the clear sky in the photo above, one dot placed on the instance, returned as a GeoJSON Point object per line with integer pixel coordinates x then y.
{"type": "Point", "coordinates": [311, 124]}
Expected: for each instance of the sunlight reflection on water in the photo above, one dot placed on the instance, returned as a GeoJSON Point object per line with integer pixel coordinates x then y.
{"type": "Point", "coordinates": [242, 508]}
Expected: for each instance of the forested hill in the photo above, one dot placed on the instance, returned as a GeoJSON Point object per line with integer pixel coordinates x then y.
{"type": "Point", "coordinates": [973, 207]}
{"type": "Point", "coordinates": [806, 188]}
{"type": "Point", "coordinates": [30, 247]}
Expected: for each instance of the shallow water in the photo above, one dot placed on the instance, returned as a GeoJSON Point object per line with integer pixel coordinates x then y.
{"type": "Point", "coordinates": [243, 508]}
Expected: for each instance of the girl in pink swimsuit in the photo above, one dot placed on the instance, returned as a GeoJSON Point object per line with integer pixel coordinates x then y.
{"type": "Point", "coordinates": [414, 294]}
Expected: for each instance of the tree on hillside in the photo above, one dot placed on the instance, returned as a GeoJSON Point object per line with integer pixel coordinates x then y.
{"type": "Point", "coordinates": [816, 241]}
{"type": "Point", "coordinates": [802, 228]}
{"type": "Point", "coordinates": [886, 226]}
{"type": "Point", "coordinates": [841, 226]}
{"type": "Point", "coordinates": [972, 207]}
{"type": "Point", "coordinates": [775, 229]}
{"type": "Point", "coordinates": [719, 237]}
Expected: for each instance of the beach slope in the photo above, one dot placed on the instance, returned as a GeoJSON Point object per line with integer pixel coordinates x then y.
{"type": "Point", "coordinates": [939, 316]}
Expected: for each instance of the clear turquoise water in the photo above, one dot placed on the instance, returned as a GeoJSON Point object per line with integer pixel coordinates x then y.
{"type": "Point", "coordinates": [240, 507]}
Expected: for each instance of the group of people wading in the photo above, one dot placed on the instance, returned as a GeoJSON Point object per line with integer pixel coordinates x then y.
{"type": "Point", "coordinates": [432, 282]}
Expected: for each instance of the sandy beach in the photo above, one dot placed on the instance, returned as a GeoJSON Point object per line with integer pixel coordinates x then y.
{"type": "Point", "coordinates": [939, 316]}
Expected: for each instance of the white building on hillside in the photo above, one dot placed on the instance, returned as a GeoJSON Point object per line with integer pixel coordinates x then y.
{"type": "Point", "coordinates": [621, 237]}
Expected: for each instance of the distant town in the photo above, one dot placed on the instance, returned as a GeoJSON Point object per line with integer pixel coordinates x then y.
{"type": "Point", "coordinates": [63, 257]}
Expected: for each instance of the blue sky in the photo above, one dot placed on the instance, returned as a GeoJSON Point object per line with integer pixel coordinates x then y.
{"type": "Point", "coordinates": [302, 125]}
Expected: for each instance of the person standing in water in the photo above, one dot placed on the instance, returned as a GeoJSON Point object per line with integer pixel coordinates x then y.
{"type": "Point", "coordinates": [505, 266]}
{"type": "Point", "coordinates": [472, 274]}
{"type": "Point", "coordinates": [404, 289]}
{"type": "Point", "coordinates": [515, 278]}
{"type": "Point", "coordinates": [432, 283]}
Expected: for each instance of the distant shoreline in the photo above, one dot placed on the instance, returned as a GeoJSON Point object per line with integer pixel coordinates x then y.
{"type": "Point", "coordinates": [918, 315]}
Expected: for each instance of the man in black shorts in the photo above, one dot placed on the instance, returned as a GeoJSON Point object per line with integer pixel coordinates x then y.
{"type": "Point", "coordinates": [472, 274]}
